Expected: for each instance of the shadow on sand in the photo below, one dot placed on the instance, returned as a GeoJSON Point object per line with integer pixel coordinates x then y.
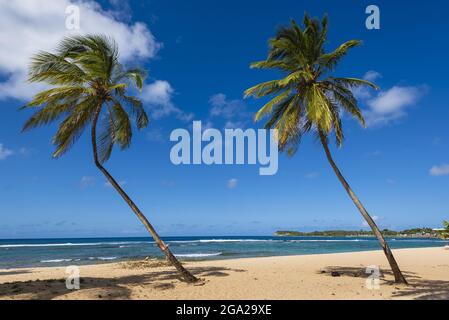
{"type": "Point", "coordinates": [418, 288]}
{"type": "Point", "coordinates": [13, 272]}
{"type": "Point", "coordinates": [105, 288]}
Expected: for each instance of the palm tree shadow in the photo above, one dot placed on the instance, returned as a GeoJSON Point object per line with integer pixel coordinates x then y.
{"type": "Point", "coordinates": [361, 272]}
{"type": "Point", "coordinates": [425, 290]}
{"type": "Point", "coordinates": [13, 272]}
{"type": "Point", "coordinates": [106, 288]}
{"type": "Point", "coordinates": [418, 288]}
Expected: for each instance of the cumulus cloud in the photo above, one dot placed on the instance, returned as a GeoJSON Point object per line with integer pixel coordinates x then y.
{"type": "Point", "coordinates": [392, 104]}
{"type": "Point", "coordinates": [387, 105]}
{"type": "Point", "coordinates": [233, 112]}
{"type": "Point", "coordinates": [232, 183]}
{"type": "Point", "coordinates": [395, 99]}
{"type": "Point", "coordinates": [222, 107]}
{"type": "Point", "coordinates": [372, 75]}
{"type": "Point", "coordinates": [158, 97]}
{"type": "Point", "coordinates": [439, 170]}
{"type": "Point", "coordinates": [365, 92]}
{"type": "Point", "coordinates": [28, 26]}
{"type": "Point", "coordinates": [5, 152]}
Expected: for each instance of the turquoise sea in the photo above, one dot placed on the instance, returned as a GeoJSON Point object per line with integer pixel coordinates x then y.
{"type": "Point", "coordinates": [57, 252]}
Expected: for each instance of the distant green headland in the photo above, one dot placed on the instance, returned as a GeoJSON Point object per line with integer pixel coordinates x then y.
{"type": "Point", "coordinates": [410, 233]}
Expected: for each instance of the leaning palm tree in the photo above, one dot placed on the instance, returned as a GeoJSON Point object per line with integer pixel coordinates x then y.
{"type": "Point", "coordinates": [89, 85]}
{"type": "Point", "coordinates": [309, 99]}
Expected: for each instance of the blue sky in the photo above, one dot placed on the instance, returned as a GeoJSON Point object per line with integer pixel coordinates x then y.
{"type": "Point", "coordinates": [198, 53]}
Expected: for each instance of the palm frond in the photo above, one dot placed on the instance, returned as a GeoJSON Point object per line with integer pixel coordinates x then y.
{"type": "Point", "coordinates": [354, 82]}
{"type": "Point", "coordinates": [86, 75]}
{"type": "Point", "coordinates": [73, 126]}
{"type": "Point", "coordinates": [136, 109]}
{"type": "Point", "coordinates": [305, 99]}
{"type": "Point", "coordinates": [264, 89]}
{"type": "Point", "coordinates": [268, 107]}
{"type": "Point", "coordinates": [330, 60]}
{"type": "Point", "coordinates": [137, 76]}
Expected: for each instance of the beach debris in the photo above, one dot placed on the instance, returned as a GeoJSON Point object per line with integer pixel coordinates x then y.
{"type": "Point", "coordinates": [446, 247]}
{"type": "Point", "coordinates": [200, 282]}
{"type": "Point", "coordinates": [148, 262]}
{"type": "Point", "coordinates": [335, 274]}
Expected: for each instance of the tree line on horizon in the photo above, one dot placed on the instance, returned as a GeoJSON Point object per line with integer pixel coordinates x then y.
{"type": "Point", "coordinates": [90, 89]}
{"type": "Point", "coordinates": [425, 232]}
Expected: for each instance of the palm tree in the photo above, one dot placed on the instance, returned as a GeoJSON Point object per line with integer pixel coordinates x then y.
{"type": "Point", "coordinates": [89, 84]}
{"type": "Point", "coordinates": [444, 233]}
{"type": "Point", "coordinates": [309, 99]}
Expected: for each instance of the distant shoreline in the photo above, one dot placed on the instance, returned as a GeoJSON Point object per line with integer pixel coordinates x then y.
{"type": "Point", "coordinates": [64, 252]}
{"type": "Point", "coordinates": [423, 233]}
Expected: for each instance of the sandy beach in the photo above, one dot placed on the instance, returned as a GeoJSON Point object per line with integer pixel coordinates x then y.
{"type": "Point", "coordinates": [325, 276]}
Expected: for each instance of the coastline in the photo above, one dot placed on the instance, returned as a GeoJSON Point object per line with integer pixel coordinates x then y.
{"type": "Point", "coordinates": [36, 253]}
{"type": "Point", "coordinates": [281, 277]}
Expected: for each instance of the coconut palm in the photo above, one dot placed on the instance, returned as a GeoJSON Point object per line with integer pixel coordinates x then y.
{"type": "Point", "coordinates": [309, 99]}
{"type": "Point", "coordinates": [444, 233]}
{"type": "Point", "coordinates": [89, 88]}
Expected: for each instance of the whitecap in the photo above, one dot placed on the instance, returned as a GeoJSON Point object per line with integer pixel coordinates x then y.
{"type": "Point", "coordinates": [197, 255]}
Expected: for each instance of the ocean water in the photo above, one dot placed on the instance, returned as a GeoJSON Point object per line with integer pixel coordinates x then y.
{"type": "Point", "coordinates": [60, 252]}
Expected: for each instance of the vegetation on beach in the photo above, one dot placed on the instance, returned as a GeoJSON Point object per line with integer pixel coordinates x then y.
{"type": "Point", "coordinates": [444, 234]}
{"type": "Point", "coordinates": [309, 99]}
{"type": "Point", "coordinates": [89, 88]}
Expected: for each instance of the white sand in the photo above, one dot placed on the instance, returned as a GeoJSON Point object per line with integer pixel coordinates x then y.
{"type": "Point", "coordinates": [291, 277]}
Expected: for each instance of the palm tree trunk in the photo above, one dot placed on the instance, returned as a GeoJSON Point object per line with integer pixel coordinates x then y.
{"type": "Point", "coordinates": [186, 275]}
{"type": "Point", "coordinates": [398, 277]}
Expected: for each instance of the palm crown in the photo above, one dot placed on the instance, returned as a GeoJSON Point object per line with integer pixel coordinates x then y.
{"type": "Point", "coordinates": [307, 97]}
{"type": "Point", "coordinates": [87, 82]}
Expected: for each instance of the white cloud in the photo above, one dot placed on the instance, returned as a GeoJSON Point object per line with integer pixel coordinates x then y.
{"type": "Point", "coordinates": [392, 104]}
{"type": "Point", "coordinates": [395, 99]}
{"type": "Point", "coordinates": [87, 181]}
{"type": "Point", "coordinates": [25, 151]}
{"type": "Point", "coordinates": [362, 93]}
{"type": "Point", "coordinates": [157, 96]}
{"type": "Point", "coordinates": [232, 183]}
{"type": "Point", "coordinates": [365, 92]}
{"type": "Point", "coordinates": [388, 105]}
{"type": "Point", "coordinates": [312, 175]}
{"type": "Point", "coordinates": [234, 112]}
{"type": "Point", "coordinates": [235, 124]}
{"type": "Point", "coordinates": [158, 93]}
{"type": "Point", "coordinates": [5, 152]}
{"type": "Point", "coordinates": [439, 170]}
{"type": "Point", "coordinates": [375, 218]}
{"type": "Point", "coordinates": [156, 135]}
{"type": "Point", "coordinates": [372, 75]}
{"type": "Point", "coordinates": [28, 26]}
{"type": "Point", "coordinates": [222, 107]}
